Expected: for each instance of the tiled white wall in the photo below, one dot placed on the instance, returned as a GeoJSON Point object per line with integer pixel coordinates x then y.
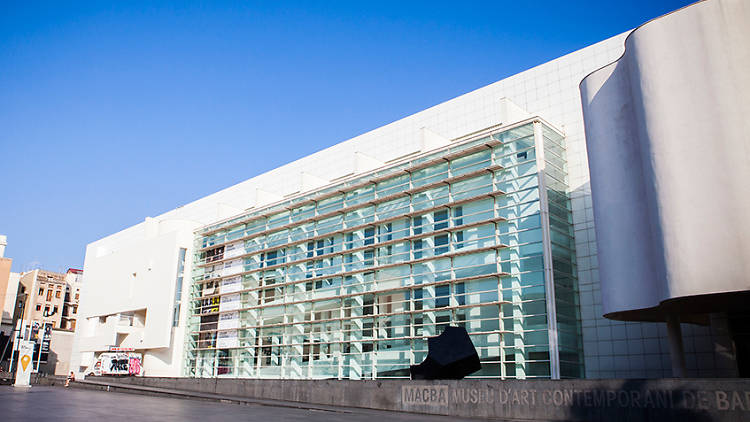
{"type": "Point", "coordinates": [612, 349]}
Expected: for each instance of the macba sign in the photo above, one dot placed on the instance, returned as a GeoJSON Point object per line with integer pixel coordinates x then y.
{"type": "Point", "coordinates": [443, 395]}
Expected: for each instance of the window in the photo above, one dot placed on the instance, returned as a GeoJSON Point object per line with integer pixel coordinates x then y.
{"type": "Point", "coordinates": [441, 219]}
{"type": "Point", "coordinates": [76, 296]}
{"type": "Point", "coordinates": [38, 308]}
{"type": "Point", "coordinates": [385, 255]}
{"type": "Point", "coordinates": [268, 295]}
{"type": "Point", "coordinates": [417, 223]}
{"type": "Point", "coordinates": [323, 246]}
{"type": "Point", "coordinates": [459, 240]}
{"type": "Point", "coordinates": [75, 309]}
{"type": "Point", "coordinates": [458, 212]}
{"type": "Point", "coordinates": [369, 255]}
{"type": "Point", "coordinates": [460, 293]}
{"type": "Point", "coordinates": [272, 258]}
{"type": "Point", "coordinates": [369, 235]}
{"type": "Point", "coordinates": [320, 247]}
{"type": "Point", "coordinates": [368, 306]}
{"type": "Point", "coordinates": [386, 231]}
{"type": "Point", "coordinates": [418, 305]}
{"type": "Point", "coordinates": [441, 322]}
{"type": "Point", "coordinates": [57, 294]}
{"type": "Point", "coordinates": [442, 296]}
{"type": "Point", "coordinates": [418, 249]}
{"type": "Point", "coordinates": [216, 254]}
{"type": "Point", "coordinates": [311, 248]}
{"type": "Point", "coordinates": [441, 244]}
{"type": "Point", "coordinates": [49, 295]}
{"type": "Point", "coordinates": [177, 290]}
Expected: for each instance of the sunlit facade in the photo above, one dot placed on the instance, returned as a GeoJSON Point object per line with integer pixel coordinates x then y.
{"type": "Point", "coordinates": [138, 271]}
{"type": "Point", "coordinates": [350, 280]}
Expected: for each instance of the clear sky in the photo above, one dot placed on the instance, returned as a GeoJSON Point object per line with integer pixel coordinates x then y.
{"type": "Point", "coordinates": [113, 112]}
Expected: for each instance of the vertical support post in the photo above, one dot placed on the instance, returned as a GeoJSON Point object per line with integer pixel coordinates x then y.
{"type": "Point", "coordinates": [39, 356]}
{"type": "Point", "coordinates": [676, 350]}
{"type": "Point", "coordinates": [549, 280]}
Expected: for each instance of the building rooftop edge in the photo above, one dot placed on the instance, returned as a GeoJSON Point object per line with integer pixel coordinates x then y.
{"type": "Point", "coordinates": [404, 120]}
{"type": "Point", "coordinates": [401, 160]}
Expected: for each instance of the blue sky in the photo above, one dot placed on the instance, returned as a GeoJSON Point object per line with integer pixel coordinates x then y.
{"type": "Point", "coordinates": [113, 112]}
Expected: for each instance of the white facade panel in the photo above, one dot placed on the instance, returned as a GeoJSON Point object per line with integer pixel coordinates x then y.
{"type": "Point", "coordinates": [134, 274]}
{"type": "Point", "coordinates": [670, 165]}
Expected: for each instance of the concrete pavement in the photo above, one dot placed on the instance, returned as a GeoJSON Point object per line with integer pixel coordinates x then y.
{"type": "Point", "coordinates": [61, 404]}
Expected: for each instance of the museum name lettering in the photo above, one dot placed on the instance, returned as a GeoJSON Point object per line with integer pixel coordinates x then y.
{"type": "Point", "coordinates": [442, 395]}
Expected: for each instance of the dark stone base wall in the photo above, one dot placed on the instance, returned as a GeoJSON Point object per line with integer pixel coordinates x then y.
{"type": "Point", "coordinates": [611, 400]}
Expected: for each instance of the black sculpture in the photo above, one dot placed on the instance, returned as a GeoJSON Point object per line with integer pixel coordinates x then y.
{"type": "Point", "coordinates": [450, 356]}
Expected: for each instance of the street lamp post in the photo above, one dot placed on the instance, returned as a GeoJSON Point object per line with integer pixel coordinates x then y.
{"type": "Point", "coordinates": [17, 336]}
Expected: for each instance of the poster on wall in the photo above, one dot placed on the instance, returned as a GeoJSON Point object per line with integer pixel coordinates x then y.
{"type": "Point", "coordinates": [229, 321]}
{"type": "Point", "coordinates": [119, 363]}
{"type": "Point", "coordinates": [234, 249]}
{"type": "Point", "coordinates": [231, 285]}
{"type": "Point", "coordinates": [232, 267]}
{"type": "Point", "coordinates": [229, 303]}
{"type": "Point", "coordinates": [226, 339]}
{"type": "Point", "coordinates": [134, 364]}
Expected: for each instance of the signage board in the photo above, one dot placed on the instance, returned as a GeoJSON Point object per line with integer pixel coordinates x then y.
{"type": "Point", "coordinates": [25, 364]}
{"type": "Point", "coordinates": [120, 349]}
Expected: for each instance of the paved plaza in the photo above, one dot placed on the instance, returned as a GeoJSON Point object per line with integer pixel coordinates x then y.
{"type": "Point", "coordinates": [41, 403]}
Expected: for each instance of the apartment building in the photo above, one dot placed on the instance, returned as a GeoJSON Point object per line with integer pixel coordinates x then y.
{"type": "Point", "coordinates": [45, 299]}
{"type": "Point", "coordinates": [73, 279]}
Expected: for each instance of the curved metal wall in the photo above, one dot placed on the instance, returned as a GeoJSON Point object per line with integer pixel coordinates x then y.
{"type": "Point", "coordinates": [668, 137]}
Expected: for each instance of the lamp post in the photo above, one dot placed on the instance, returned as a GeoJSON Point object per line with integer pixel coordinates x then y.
{"type": "Point", "coordinates": [22, 306]}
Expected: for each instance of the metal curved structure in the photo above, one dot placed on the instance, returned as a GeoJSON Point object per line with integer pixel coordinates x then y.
{"type": "Point", "coordinates": [668, 136]}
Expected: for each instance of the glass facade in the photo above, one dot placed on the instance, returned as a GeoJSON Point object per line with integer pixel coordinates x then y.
{"type": "Point", "coordinates": [349, 281]}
